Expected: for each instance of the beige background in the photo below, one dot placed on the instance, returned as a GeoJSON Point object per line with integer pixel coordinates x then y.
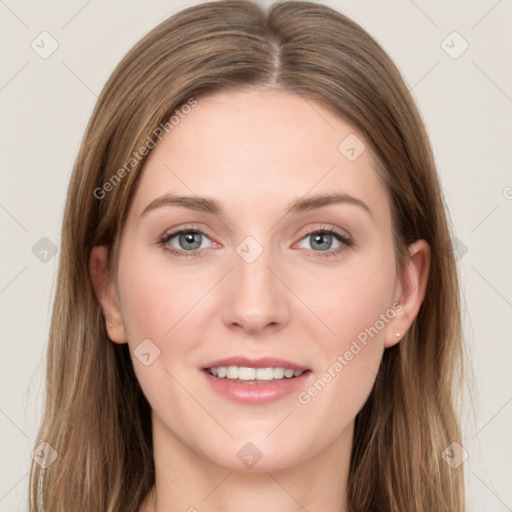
{"type": "Point", "coordinates": [467, 106]}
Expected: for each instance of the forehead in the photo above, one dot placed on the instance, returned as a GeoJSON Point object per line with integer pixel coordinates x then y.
{"type": "Point", "coordinates": [244, 147]}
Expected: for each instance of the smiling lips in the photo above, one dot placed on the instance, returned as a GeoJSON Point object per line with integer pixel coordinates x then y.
{"type": "Point", "coordinates": [255, 381]}
{"type": "Point", "coordinates": [263, 369]}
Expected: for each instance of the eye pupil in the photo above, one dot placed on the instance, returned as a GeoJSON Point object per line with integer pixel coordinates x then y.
{"type": "Point", "coordinates": [322, 238]}
{"type": "Point", "coordinates": [188, 238]}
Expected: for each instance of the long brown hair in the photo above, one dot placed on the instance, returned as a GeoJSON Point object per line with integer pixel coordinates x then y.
{"type": "Point", "coordinates": [97, 422]}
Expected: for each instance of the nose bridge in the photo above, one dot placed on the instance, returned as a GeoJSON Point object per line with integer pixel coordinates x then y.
{"type": "Point", "coordinates": [256, 297]}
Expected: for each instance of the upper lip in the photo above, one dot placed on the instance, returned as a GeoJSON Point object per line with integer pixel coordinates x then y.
{"type": "Point", "coordinates": [261, 362]}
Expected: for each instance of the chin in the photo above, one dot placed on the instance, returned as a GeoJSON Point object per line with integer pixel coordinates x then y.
{"type": "Point", "coordinates": [257, 454]}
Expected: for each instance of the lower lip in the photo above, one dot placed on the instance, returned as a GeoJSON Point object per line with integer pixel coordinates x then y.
{"type": "Point", "coordinates": [256, 392]}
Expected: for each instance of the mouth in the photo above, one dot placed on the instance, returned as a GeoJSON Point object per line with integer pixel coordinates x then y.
{"type": "Point", "coordinates": [255, 382]}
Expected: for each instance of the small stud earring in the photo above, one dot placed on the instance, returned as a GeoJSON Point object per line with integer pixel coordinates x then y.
{"type": "Point", "coordinates": [396, 334]}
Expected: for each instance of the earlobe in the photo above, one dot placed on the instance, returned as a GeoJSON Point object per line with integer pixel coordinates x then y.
{"type": "Point", "coordinates": [104, 288]}
{"type": "Point", "coordinates": [410, 290]}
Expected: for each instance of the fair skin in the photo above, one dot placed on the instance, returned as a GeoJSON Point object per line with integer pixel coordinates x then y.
{"type": "Point", "coordinates": [256, 153]}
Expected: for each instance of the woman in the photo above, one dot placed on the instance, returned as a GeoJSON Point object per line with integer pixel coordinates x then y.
{"type": "Point", "coordinates": [257, 301]}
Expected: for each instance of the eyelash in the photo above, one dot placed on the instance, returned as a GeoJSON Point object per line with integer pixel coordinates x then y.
{"type": "Point", "coordinates": [196, 252]}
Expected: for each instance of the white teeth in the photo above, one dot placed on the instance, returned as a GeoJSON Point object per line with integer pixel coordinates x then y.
{"type": "Point", "coordinates": [264, 373]}
{"type": "Point", "coordinates": [232, 372]}
{"type": "Point", "coordinates": [246, 373]}
{"type": "Point", "coordinates": [278, 373]}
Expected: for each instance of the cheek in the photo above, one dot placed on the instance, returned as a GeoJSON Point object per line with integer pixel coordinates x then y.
{"type": "Point", "coordinates": [166, 306]}
{"type": "Point", "coordinates": [158, 305]}
{"type": "Point", "coordinates": [351, 299]}
{"type": "Point", "coordinates": [155, 300]}
{"type": "Point", "coordinates": [355, 305]}
{"type": "Point", "coordinates": [349, 364]}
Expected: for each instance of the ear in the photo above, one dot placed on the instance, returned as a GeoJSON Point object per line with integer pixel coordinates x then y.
{"type": "Point", "coordinates": [105, 290]}
{"type": "Point", "coordinates": [409, 292]}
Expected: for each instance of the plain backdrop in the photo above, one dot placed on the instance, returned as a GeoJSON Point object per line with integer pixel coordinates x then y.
{"type": "Point", "coordinates": [464, 95]}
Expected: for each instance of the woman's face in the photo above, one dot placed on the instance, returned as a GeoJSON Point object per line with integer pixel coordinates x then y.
{"type": "Point", "coordinates": [257, 280]}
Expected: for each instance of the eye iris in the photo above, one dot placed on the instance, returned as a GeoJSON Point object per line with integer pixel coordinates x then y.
{"type": "Point", "coordinates": [320, 238]}
{"type": "Point", "coordinates": [188, 238]}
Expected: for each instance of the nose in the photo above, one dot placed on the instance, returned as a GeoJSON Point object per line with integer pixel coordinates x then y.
{"type": "Point", "coordinates": [256, 298]}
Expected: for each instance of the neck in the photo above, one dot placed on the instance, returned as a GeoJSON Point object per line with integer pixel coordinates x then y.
{"type": "Point", "coordinates": [186, 481]}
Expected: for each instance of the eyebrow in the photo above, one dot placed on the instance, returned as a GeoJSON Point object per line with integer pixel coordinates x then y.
{"type": "Point", "coordinates": [204, 204]}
